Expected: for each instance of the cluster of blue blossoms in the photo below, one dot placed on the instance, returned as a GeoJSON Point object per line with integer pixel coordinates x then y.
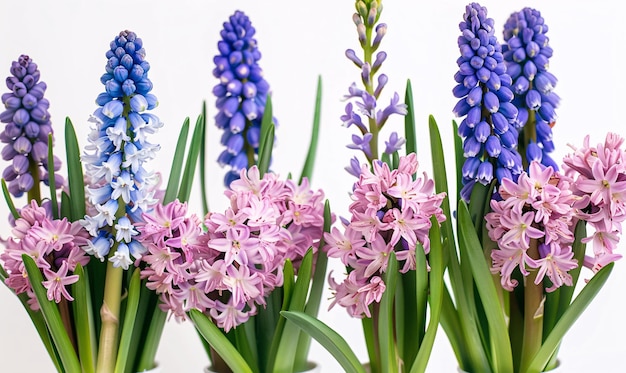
{"type": "Point", "coordinates": [526, 54]}
{"type": "Point", "coordinates": [121, 188]}
{"type": "Point", "coordinates": [27, 129]}
{"type": "Point", "coordinates": [489, 128]}
{"type": "Point", "coordinates": [241, 95]}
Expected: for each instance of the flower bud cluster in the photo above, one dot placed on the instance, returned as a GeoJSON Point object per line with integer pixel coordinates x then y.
{"type": "Point", "coordinates": [362, 109]}
{"type": "Point", "coordinates": [241, 95]}
{"type": "Point", "coordinates": [229, 269]}
{"type": "Point", "coordinates": [121, 188]}
{"type": "Point", "coordinates": [532, 226]}
{"type": "Point", "coordinates": [599, 175]}
{"type": "Point", "coordinates": [27, 128]}
{"type": "Point", "coordinates": [526, 52]}
{"type": "Point", "coordinates": [55, 246]}
{"type": "Point", "coordinates": [484, 89]}
{"type": "Point", "coordinates": [391, 211]}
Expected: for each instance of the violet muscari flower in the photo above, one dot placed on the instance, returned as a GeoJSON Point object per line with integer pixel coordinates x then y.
{"type": "Point", "coordinates": [241, 94]}
{"type": "Point", "coordinates": [484, 89]}
{"type": "Point", "coordinates": [391, 211]}
{"type": "Point", "coordinates": [526, 53]}
{"type": "Point", "coordinates": [363, 108]}
{"type": "Point", "coordinates": [27, 128]}
{"type": "Point", "coordinates": [122, 189]}
{"type": "Point", "coordinates": [228, 270]}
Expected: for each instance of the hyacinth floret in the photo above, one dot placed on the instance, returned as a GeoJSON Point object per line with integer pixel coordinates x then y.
{"type": "Point", "coordinates": [227, 270]}
{"type": "Point", "coordinates": [391, 211]}
{"type": "Point", "coordinates": [527, 52]}
{"type": "Point", "coordinates": [599, 174]}
{"type": "Point", "coordinates": [241, 94]}
{"type": "Point", "coordinates": [121, 189]}
{"type": "Point", "coordinates": [27, 129]}
{"type": "Point", "coordinates": [363, 109]}
{"type": "Point", "coordinates": [484, 89]}
{"type": "Point", "coordinates": [54, 244]}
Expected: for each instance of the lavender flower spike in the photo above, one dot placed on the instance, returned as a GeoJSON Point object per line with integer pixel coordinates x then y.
{"type": "Point", "coordinates": [121, 188]}
{"type": "Point", "coordinates": [26, 131]}
{"type": "Point", "coordinates": [483, 87]}
{"type": "Point", "coordinates": [526, 55]}
{"type": "Point", "coordinates": [241, 95]}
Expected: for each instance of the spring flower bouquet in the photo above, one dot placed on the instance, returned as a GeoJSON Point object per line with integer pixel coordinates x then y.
{"type": "Point", "coordinates": [522, 221]}
{"type": "Point", "coordinates": [391, 245]}
{"type": "Point", "coordinates": [74, 255]}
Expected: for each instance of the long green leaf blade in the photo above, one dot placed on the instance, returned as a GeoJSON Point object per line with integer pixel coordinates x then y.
{"type": "Point", "coordinates": [569, 317]}
{"type": "Point", "coordinates": [203, 186]}
{"type": "Point", "coordinates": [266, 123]}
{"type": "Point", "coordinates": [192, 158]}
{"type": "Point", "coordinates": [83, 320]}
{"type": "Point", "coordinates": [52, 184]}
{"type": "Point", "coordinates": [132, 303]}
{"type": "Point", "coordinates": [52, 316]}
{"type": "Point", "coordinates": [214, 336]}
{"type": "Point", "coordinates": [9, 200]}
{"type": "Point", "coordinates": [388, 353]}
{"type": "Point", "coordinates": [334, 343]}
{"type": "Point", "coordinates": [177, 164]}
{"type": "Point", "coordinates": [151, 341]}
{"type": "Point", "coordinates": [265, 156]}
{"type": "Point", "coordinates": [309, 163]}
{"type": "Point", "coordinates": [409, 120]}
{"type": "Point", "coordinates": [75, 178]}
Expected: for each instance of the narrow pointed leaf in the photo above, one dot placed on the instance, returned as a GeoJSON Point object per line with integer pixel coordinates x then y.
{"type": "Point", "coordinates": [152, 339]}
{"type": "Point", "coordinates": [409, 120]}
{"type": "Point", "coordinates": [334, 343]}
{"type": "Point", "coordinates": [177, 164]}
{"type": "Point", "coordinates": [265, 156]}
{"type": "Point", "coordinates": [266, 123]}
{"type": "Point", "coordinates": [83, 321]}
{"type": "Point", "coordinates": [52, 316]}
{"type": "Point", "coordinates": [388, 360]}
{"type": "Point", "coordinates": [192, 158]}
{"type": "Point", "coordinates": [203, 186]}
{"type": "Point", "coordinates": [218, 341]}
{"type": "Point", "coordinates": [75, 178]}
{"type": "Point", "coordinates": [9, 200]}
{"type": "Point", "coordinates": [53, 190]}
{"type": "Point", "coordinates": [309, 163]}
{"type": "Point", "coordinates": [128, 325]}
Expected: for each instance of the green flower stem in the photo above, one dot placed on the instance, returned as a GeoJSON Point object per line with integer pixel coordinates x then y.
{"type": "Point", "coordinates": [369, 87]}
{"type": "Point", "coordinates": [109, 314]}
{"type": "Point", "coordinates": [35, 192]}
{"type": "Point", "coordinates": [533, 313]}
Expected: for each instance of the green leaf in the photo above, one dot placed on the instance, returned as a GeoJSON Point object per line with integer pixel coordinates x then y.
{"type": "Point", "coordinates": [53, 190]}
{"type": "Point", "coordinates": [152, 339]}
{"type": "Point", "coordinates": [409, 120]}
{"type": "Point", "coordinates": [192, 158]}
{"type": "Point", "coordinates": [203, 186]}
{"type": "Point", "coordinates": [177, 164]}
{"type": "Point", "coordinates": [334, 343]}
{"type": "Point", "coordinates": [501, 358]}
{"type": "Point", "coordinates": [388, 353]}
{"type": "Point", "coordinates": [243, 346]}
{"type": "Point", "coordinates": [436, 297]}
{"type": "Point", "coordinates": [265, 144]}
{"type": "Point", "coordinates": [573, 312]}
{"type": "Point", "coordinates": [9, 200]}
{"type": "Point", "coordinates": [578, 247]}
{"type": "Point", "coordinates": [459, 157]}
{"type": "Point", "coordinates": [291, 333]}
{"type": "Point", "coordinates": [128, 325]}
{"type": "Point", "coordinates": [52, 316]}
{"type": "Point", "coordinates": [75, 178]}
{"type": "Point", "coordinates": [218, 341]}
{"type": "Point", "coordinates": [307, 169]}
{"type": "Point", "coordinates": [83, 321]}
{"type": "Point", "coordinates": [279, 323]}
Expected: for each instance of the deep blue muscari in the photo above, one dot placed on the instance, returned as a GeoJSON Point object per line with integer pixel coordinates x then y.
{"type": "Point", "coordinates": [526, 54]}
{"type": "Point", "coordinates": [121, 188]}
{"type": "Point", "coordinates": [241, 94]}
{"type": "Point", "coordinates": [27, 128]}
{"type": "Point", "coordinates": [484, 89]}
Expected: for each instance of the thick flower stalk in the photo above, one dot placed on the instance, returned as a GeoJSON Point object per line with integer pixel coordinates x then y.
{"type": "Point", "coordinates": [228, 270]}
{"type": "Point", "coordinates": [532, 226]}
{"type": "Point", "coordinates": [526, 52]}
{"type": "Point", "coordinates": [26, 132]}
{"type": "Point", "coordinates": [363, 110]}
{"type": "Point", "coordinates": [55, 246]}
{"type": "Point", "coordinates": [488, 128]}
{"type": "Point", "coordinates": [121, 189]}
{"type": "Point", "coordinates": [391, 211]}
{"type": "Point", "coordinates": [241, 95]}
{"type": "Point", "coordinates": [599, 175]}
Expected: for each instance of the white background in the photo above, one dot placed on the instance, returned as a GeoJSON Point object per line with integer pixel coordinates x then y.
{"type": "Point", "coordinates": [299, 41]}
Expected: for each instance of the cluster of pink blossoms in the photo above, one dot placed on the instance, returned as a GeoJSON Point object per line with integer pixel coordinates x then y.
{"type": "Point", "coordinates": [391, 211]}
{"type": "Point", "coordinates": [228, 269]}
{"type": "Point", "coordinates": [599, 175]}
{"type": "Point", "coordinates": [532, 226]}
{"type": "Point", "coordinates": [54, 244]}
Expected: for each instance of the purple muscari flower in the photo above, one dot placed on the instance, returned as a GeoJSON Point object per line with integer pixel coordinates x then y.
{"type": "Point", "coordinates": [526, 54]}
{"type": "Point", "coordinates": [241, 93]}
{"type": "Point", "coordinates": [364, 109]}
{"type": "Point", "coordinates": [27, 128]}
{"type": "Point", "coordinates": [118, 150]}
{"type": "Point", "coordinates": [484, 90]}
